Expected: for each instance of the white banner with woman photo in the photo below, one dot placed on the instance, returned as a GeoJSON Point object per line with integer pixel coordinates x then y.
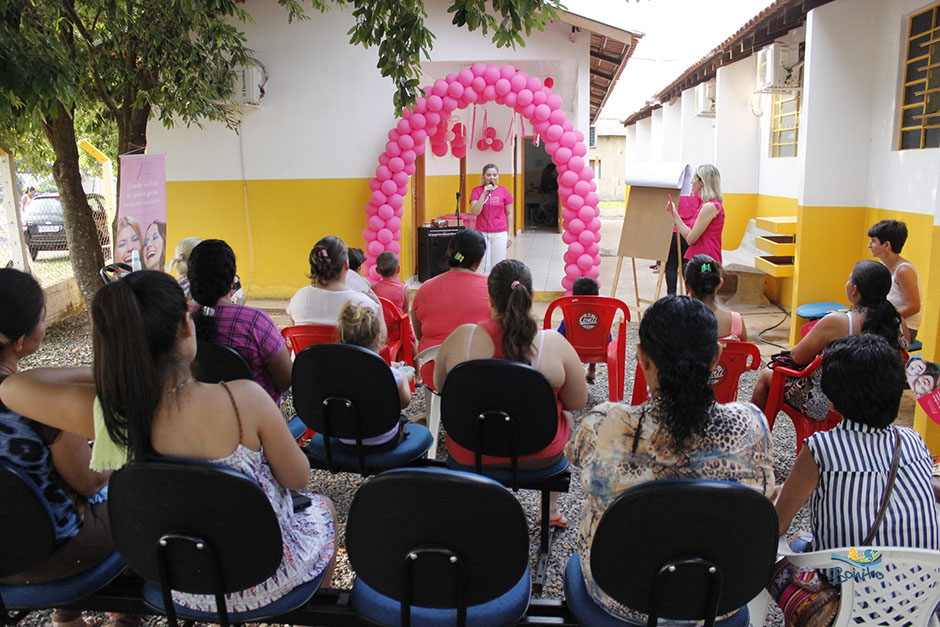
{"type": "Point", "coordinates": [140, 237]}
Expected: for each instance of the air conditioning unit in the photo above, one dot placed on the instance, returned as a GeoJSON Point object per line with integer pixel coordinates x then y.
{"type": "Point", "coordinates": [248, 84]}
{"type": "Point", "coordinates": [777, 68]}
{"type": "Point", "coordinates": [705, 99]}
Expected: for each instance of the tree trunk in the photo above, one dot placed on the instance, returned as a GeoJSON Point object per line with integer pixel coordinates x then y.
{"type": "Point", "coordinates": [80, 231]}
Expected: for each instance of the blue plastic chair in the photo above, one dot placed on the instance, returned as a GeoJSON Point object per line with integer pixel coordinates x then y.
{"type": "Point", "coordinates": [436, 547]}
{"type": "Point", "coordinates": [681, 549]}
{"type": "Point", "coordinates": [28, 538]}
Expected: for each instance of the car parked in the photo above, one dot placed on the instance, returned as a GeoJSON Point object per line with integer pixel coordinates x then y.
{"type": "Point", "coordinates": [44, 225]}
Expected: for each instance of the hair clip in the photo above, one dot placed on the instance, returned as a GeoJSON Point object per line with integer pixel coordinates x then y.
{"type": "Point", "coordinates": [208, 312]}
{"type": "Point", "coordinates": [706, 267]}
{"type": "Point", "coordinates": [458, 257]}
{"type": "Point", "coordinates": [323, 253]}
{"type": "Point", "coordinates": [514, 285]}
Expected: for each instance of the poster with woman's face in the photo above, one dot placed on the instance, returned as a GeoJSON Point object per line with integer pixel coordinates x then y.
{"type": "Point", "coordinates": [140, 237]}
{"type": "Point", "coordinates": [923, 377]}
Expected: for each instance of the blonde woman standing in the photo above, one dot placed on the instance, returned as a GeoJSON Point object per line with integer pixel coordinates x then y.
{"type": "Point", "coordinates": [704, 237]}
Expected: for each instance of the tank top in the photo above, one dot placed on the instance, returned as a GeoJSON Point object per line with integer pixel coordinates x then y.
{"type": "Point", "coordinates": [896, 298]}
{"type": "Point", "coordinates": [710, 241]}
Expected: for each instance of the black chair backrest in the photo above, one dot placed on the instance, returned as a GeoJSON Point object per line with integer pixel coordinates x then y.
{"type": "Point", "coordinates": [691, 524]}
{"type": "Point", "coordinates": [434, 512]}
{"type": "Point", "coordinates": [166, 499]}
{"type": "Point", "coordinates": [218, 362]}
{"type": "Point", "coordinates": [495, 389]}
{"type": "Point", "coordinates": [336, 386]}
{"type": "Point", "coordinates": [28, 534]}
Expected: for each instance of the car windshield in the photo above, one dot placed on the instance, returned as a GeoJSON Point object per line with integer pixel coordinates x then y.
{"type": "Point", "coordinates": [43, 209]}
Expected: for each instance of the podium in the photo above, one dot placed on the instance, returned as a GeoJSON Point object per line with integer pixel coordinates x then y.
{"type": "Point", "coordinates": [432, 250]}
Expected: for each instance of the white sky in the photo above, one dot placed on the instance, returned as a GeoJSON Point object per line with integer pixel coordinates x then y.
{"type": "Point", "coordinates": [677, 33]}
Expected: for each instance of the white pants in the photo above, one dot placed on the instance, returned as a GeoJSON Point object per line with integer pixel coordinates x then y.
{"type": "Point", "coordinates": [495, 250]}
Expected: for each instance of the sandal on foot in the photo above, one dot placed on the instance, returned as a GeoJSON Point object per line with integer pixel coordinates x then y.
{"type": "Point", "coordinates": [558, 521]}
{"type": "Point", "coordinates": [589, 379]}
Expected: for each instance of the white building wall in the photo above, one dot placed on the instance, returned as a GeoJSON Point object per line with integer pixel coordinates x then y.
{"type": "Point", "coordinates": [698, 133]}
{"type": "Point", "coordinates": [327, 110]}
{"type": "Point", "coordinates": [737, 140]}
{"type": "Point", "coordinates": [656, 136]}
{"type": "Point", "coordinates": [672, 131]}
{"type": "Point", "coordinates": [643, 135]}
{"type": "Point", "coordinates": [630, 152]}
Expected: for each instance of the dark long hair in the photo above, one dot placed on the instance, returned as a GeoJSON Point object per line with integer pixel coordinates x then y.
{"type": "Point", "coordinates": [211, 273]}
{"type": "Point", "coordinates": [136, 326]}
{"type": "Point", "coordinates": [703, 275]}
{"type": "Point", "coordinates": [327, 259]}
{"type": "Point", "coordinates": [23, 301]}
{"type": "Point", "coordinates": [873, 281]}
{"type": "Point", "coordinates": [466, 249]}
{"type": "Point", "coordinates": [510, 287]}
{"type": "Point", "coordinates": [680, 335]}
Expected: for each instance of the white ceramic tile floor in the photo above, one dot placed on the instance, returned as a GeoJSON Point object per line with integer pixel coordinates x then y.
{"type": "Point", "coordinates": [543, 252]}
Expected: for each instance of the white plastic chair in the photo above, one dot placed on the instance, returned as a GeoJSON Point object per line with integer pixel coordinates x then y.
{"type": "Point", "coordinates": [907, 592]}
{"type": "Point", "coordinates": [432, 399]}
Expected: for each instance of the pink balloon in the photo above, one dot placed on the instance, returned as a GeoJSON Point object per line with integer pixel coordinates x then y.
{"type": "Point", "coordinates": [518, 81]}
{"type": "Point", "coordinates": [593, 184]}
{"type": "Point", "coordinates": [539, 97]}
{"type": "Point", "coordinates": [455, 89]}
{"type": "Point", "coordinates": [554, 133]}
{"type": "Point", "coordinates": [568, 214]}
{"type": "Point", "coordinates": [374, 247]}
{"type": "Point", "coordinates": [470, 95]}
{"type": "Point", "coordinates": [557, 117]}
{"type": "Point", "coordinates": [439, 150]}
{"type": "Point", "coordinates": [383, 173]}
{"type": "Point", "coordinates": [576, 164]}
{"type": "Point", "coordinates": [569, 257]}
{"type": "Point", "coordinates": [396, 163]}
{"type": "Point", "coordinates": [596, 258]}
{"type": "Point", "coordinates": [578, 149]}
{"type": "Point", "coordinates": [375, 184]}
{"type": "Point", "coordinates": [400, 178]}
{"type": "Point", "coordinates": [439, 88]}
{"type": "Point", "coordinates": [421, 105]}
{"type": "Point", "coordinates": [408, 156]}
{"type": "Point", "coordinates": [572, 269]}
{"type": "Point", "coordinates": [389, 187]}
{"type": "Point", "coordinates": [378, 198]}
{"type": "Point", "coordinates": [478, 68]}
{"type": "Point", "coordinates": [586, 174]}
{"type": "Point", "coordinates": [567, 125]}
{"type": "Point", "coordinates": [403, 190]}
{"type": "Point", "coordinates": [386, 211]}
{"type": "Point", "coordinates": [375, 223]}
{"type": "Point", "coordinates": [371, 209]}
{"type": "Point", "coordinates": [491, 74]}
{"type": "Point", "coordinates": [562, 155]}
{"type": "Point", "coordinates": [576, 227]}
{"type": "Point", "coordinates": [566, 282]}
{"type": "Point", "coordinates": [393, 223]}
{"type": "Point", "coordinates": [534, 83]}
{"type": "Point", "coordinates": [459, 151]}
{"type": "Point", "coordinates": [373, 273]}
{"type": "Point", "coordinates": [507, 71]}
{"type": "Point", "coordinates": [392, 148]}
{"type": "Point", "coordinates": [465, 76]}
{"type": "Point", "coordinates": [497, 145]}
{"type": "Point", "coordinates": [586, 212]}
{"type": "Point", "coordinates": [554, 101]}
{"type": "Point", "coordinates": [529, 110]}
{"type": "Point", "coordinates": [510, 99]}
{"type": "Point", "coordinates": [592, 250]}
{"type": "Point", "coordinates": [418, 121]}
{"type": "Point", "coordinates": [503, 87]}
{"type": "Point", "coordinates": [576, 249]}
{"type": "Point", "coordinates": [410, 168]}
{"type": "Point", "coordinates": [568, 179]}
{"type": "Point", "coordinates": [403, 127]}
{"type": "Point", "coordinates": [568, 237]}
{"type": "Point", "coordinates": [594, 225]}
{"type": "Point", "coordinates": [568, 139]}
{"type": "Point", "coordinates": [394, 247]}
{"type": "Point", "coordinates": [395, 201]}
{"type": "Point", "coordinates": [384, 236]}
{"type": "Point", "coordinates": [383, 159]}
{"type": "Point", "coordinates": [435, 103]}
{"type": "Point", "coordinates": [592, 199]}
{"type": "Point", "coordinates": [489, 93]}
{"type": "Point", "coordinates": [551, 148]}
{"type": "Point", "coordinates": [433, 118]}
{"type": "Point", "coordinates": [587, 237]}
{"type": "Point", "coordinates": [481, 145]}
{"type": "Point", "coordinates": [579, 135]}
{"type": "Point", "coordinates": [399, 212]}
{"type": "Point", "coordinates": [564, 192]}
{"type": "Point", "coordinates": [406, 113]}
{"type": "Point", "coordinates": [584, 261]}
{"type": "Point", "coordinates": [524, 98]}
{"type": "Point", "coordinates": [593, 272]}
{"type": "Point", "coordinates": [478, 84]}
{"type": "Point", "coordinates": [393, 135]}
{"type": "Point", "coordinates": [582, 188]}
{"type": "Point", "coordinates": [449, 104]}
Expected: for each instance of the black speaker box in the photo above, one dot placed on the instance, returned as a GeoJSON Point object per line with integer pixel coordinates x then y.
{"type": "Point", "coordinates": [432, 250]}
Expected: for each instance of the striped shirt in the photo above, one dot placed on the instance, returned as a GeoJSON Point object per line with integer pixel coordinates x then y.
{"type": "Point", "coordinates": [854, 461]}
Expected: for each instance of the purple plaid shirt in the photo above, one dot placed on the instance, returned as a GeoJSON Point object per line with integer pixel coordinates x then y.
{"type": "Point", "coordinates": [254, 335]}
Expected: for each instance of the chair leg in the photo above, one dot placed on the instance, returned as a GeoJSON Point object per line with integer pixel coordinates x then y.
{"type": "Point", "coordinates": [545, 544]}
{"type": "Point", "coordinates": [433, 405]}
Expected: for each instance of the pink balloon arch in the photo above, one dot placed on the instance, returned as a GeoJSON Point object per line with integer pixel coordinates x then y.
{"type": "Point", "coordinates": [428, 120]}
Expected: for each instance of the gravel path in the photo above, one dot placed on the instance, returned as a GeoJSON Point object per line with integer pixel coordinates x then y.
{"type": "Point", "coordinates": [68, 343]}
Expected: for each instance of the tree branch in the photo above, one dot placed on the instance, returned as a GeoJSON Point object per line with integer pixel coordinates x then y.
{"type": "Point", "coordinates": [89, 45]}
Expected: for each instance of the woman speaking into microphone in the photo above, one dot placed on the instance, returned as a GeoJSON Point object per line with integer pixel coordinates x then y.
{"type": "Point", "coordinates": [492, 204]}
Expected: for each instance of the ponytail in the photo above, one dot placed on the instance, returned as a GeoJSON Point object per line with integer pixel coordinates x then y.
{"type": "Point", "coordinates": [703, 275]}
{"type": "Point", "coordinates": [211, 274]}
{"type": "Point", "coordinates": [884, 321]}
{"type": "Point", "coordinates": [510, 287]}
{"type": "Point", "coordinates": [873, 281]}
{"type": "Point", "coordinates": [136, 324]}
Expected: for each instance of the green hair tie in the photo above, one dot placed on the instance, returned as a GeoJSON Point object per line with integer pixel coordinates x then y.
{"type": "Point", "coordinates": [706, 267]}
{"type": "Point", "coordinates": [458, 256]}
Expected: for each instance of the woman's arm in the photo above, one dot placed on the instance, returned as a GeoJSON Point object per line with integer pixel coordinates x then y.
{"type": "Point", "coordinates": [705, 216]}
{"type": "Point", "coordinates": [797, 489]}
{"type": "Point", "coordinates": [404, 389]}
{"type": "Point", "coordinates": [70, 457]}
{"type": "Point", "coordinates": [288, 463]}
{"type": "Point", "coordinates": [450, 354]}
{"type": "Point", "coordinates": [280, 367]}
{"type": "Point", "coordinates": [832, 325]}
{"type": "Point", "coordinates": [510, 230]}
{"type": "Point", "coordinates": [476, 206]}
{"type": "Point", "coordinates": [907, 281]}
{"type": "Point", "coordinates": [63, 398]}
{"type": "Point", "coordinates": [573, 393]}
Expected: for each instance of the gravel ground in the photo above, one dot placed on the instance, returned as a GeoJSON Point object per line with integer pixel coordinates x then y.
{"type": "Point", "coordinates": [68, 343]}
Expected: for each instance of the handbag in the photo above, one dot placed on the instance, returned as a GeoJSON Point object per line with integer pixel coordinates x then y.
{"type": "Point", "coordinates": [806, 598]}
{"type": "Point", "coordinates": [784, 359]}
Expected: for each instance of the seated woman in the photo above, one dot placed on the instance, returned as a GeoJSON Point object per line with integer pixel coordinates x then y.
{"type": "Point", "coordinates": [512, 333]}
{"type": "Point", "coordinates": [843, 472]}
{"type": "Point", "coordinates": [56, 461]}
{"type": "Point", "coordinates": [249, 331]}
{"type": "Point", "coordinates": [321, 301]}
{"type": "Point", "coordinates": [359, 325]}
{"type": "Point", "coordinates": [681, 432]}
{"type": "Point", "coordinates": [155, 407]}
{"type": "Point", "coordinates": [703, 278]}
{"type": "Point", "coordinates": [433, 314]}
{"type": "Point", "coordinates": [867, 289]}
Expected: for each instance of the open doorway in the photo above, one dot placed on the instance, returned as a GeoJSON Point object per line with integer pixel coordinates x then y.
{"type": "Point", "coordinates": [540, 189]}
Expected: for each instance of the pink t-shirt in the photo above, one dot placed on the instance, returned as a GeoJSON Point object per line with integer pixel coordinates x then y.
{"type": "Point", "coordinates": [392, 290]}
{"type": "Point", "coordinates": [493, 217]}
{"type": "Point", "coordinates": [710, 241]}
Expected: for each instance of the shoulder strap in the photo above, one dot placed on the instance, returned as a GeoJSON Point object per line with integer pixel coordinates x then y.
{"type": "Point", "coordinates": [538, 357]}
{"type": "Point", "coordinates": [238, 416]}
{"type": "Point", "coordinates": [848, 315]}
{"type": "Point", "coordinates": [473, 330]}
{"type": "Point", "coordinates": [892, 475]}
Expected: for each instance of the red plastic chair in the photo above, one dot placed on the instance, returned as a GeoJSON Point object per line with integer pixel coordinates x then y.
{"type": "Point", "coordinates": [804, 425]}
{"type": "Point", "coordinates": [736, 358]}
{"type": "Point", "coordinates": [400, 346]}
{"type": "Point", "coordinates": [300, 336]}
{"type": "Point", "coordinates": [589, 321]}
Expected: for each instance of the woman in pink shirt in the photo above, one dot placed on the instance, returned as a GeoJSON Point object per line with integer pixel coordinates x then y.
{"type": "Point", "coordinates": [704, 237]}
{"type": "Point", "coordinates": [493, 205]}
{"type": "Point", "coordinates": [453, 298]}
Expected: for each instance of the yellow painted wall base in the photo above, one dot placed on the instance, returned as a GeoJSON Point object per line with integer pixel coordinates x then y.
{"type": "Point", "coordinates": [929, 269]}
{"type": "Point", "coordinates": [739, 209]}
